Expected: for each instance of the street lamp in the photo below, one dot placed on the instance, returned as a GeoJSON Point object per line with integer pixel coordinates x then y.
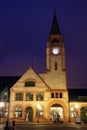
{"type": "Point", "coordinates": [38, 112]}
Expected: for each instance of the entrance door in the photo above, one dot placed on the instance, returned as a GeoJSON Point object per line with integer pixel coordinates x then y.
{"type": "Point", "coordinates": [29, 114]}
{"type": "Point", "coordinates": [56, 113]}
{"type": "Point", "coordinates": [84, 113]}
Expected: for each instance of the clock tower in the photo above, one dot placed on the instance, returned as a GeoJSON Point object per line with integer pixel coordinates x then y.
{"type": "Point", "coordinates": [55, 49]}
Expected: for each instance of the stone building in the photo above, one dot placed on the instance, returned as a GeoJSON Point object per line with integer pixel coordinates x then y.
{"type": "Point", "coordinates": [44, 97]}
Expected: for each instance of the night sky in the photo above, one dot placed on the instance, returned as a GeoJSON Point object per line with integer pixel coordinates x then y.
{"type": "Point", "coordinates": [24, 29]}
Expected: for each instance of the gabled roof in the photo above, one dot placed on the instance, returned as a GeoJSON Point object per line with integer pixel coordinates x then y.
{"type": "Point", "coordinates": [55, 27]}
{"type": "Point", "coordinates": [73, 93]}
{"type": "Point", "coordinates": [30, 75]}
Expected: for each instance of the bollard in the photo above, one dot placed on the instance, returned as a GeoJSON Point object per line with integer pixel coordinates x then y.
{"type": "Point", "coordinates": [13, 124]}
{"type": "Point", "coordinates": [6, 127]}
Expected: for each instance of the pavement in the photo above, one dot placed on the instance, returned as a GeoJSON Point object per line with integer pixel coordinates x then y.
{"type": "Point", "coordinates": [3, 126]}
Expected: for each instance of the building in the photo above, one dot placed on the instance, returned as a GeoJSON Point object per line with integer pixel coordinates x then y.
{"type": "Point", "coordinates": [44, 97]}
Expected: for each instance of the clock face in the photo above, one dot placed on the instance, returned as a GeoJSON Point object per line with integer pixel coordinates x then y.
{"type": "Point", "coordinates": [55, 51]}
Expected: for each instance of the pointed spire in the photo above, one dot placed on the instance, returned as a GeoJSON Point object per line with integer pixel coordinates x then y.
{"type": "Point", "coordinates": [55, 27]}
{"type": "Point", "coordinates": [6, 88]}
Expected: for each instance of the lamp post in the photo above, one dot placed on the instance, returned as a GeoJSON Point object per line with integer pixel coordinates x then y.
{"type": "Point", "coordinates": [78, 118]}
{"type": "Point", "coordinates": [38, 112]}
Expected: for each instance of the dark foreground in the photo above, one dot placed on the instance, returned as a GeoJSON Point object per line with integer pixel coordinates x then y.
{"type": "Point", "coordinates": [47, 127]}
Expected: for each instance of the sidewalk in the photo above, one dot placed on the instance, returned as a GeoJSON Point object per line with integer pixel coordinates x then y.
{"type": "Point", "coordinates": [2, 126]}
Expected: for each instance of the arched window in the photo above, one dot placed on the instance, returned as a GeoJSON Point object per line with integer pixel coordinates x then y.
{"type": "Point", "coordinates": [18, 112]}
{"type": "Point", "coordinates": [55, 42]}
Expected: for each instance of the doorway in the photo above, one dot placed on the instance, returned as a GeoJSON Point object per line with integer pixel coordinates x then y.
{"type": "Point", "coordinates": [84, 113]}
{"type": "Point", "coordinates": [56, 113]}
{"type": "Point", "coordinates": [29, 114]}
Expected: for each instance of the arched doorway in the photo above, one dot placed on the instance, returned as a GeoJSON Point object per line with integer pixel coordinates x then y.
{"type": "Point", "coordinates": [56, 113]}
{"type": "Point", "coordinates": [84, 113]}
{"type": "Point", "coordinates": [29, 114]}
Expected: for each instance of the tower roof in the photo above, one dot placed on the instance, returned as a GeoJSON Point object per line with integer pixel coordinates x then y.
{"type": "Point", "coordinates": [55, 27]}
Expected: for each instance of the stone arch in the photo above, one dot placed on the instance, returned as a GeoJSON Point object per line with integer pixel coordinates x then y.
{"type": "Point", "coordinates": [82, 105]}
{"type": "Point", "coordinates": [29, 114]}
{"type": "Point", "coordinates": [29, 105]}
{"type": "Point", "coordinates": [83, 112]}
{"type": "Point", "coordinates": [20, 105]}
{"type": "Point", "coordinates": [63, 105]}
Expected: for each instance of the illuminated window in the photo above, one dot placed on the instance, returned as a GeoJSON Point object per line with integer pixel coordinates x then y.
{"type": "Point", "coordinates": [29, 83]}
{"type": "Point", "coordinates": [19, 96]}
{"type": "Point", "coordinates": [39, 96]}
{"type": "Point", "coordinates": [39, 111]}
{"type": "Point", "coordinates": [3, 110]}
{"type": "Point", "coordinates": [29, 96]}
{"type": "Point", "coordinates": [73, 112]}
{"type": "Point", "coordinates": [18, 112]}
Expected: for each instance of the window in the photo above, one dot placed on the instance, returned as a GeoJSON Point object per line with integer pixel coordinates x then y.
{"type": "Point", "coordinates": [61, 95]}
{"type": "Point", "coordinates": [55, 65]}
{"type": "Point", "coordinates": [3, 112]}
{"type": "Point", "coordinates": [55, 41]}
{"type": "Point", "coordinates": [18, 112]}
{"type": "Point", "coordinates": [56, 95]}
{"type": "Point", "coordinates": [39, 111]}
{"type": "Point", "coordinates": [19, 96]}
{"type": "Point", "coordinates": [29, 83]}
{"type": "Point", "coordinates": [29, 96]}
{"type": "Point", "coordinates": [82, 98]}
{"type": "Point", "coordinates": [52, 95]}
{"type": "Point", "coordinates": [39, 97]}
